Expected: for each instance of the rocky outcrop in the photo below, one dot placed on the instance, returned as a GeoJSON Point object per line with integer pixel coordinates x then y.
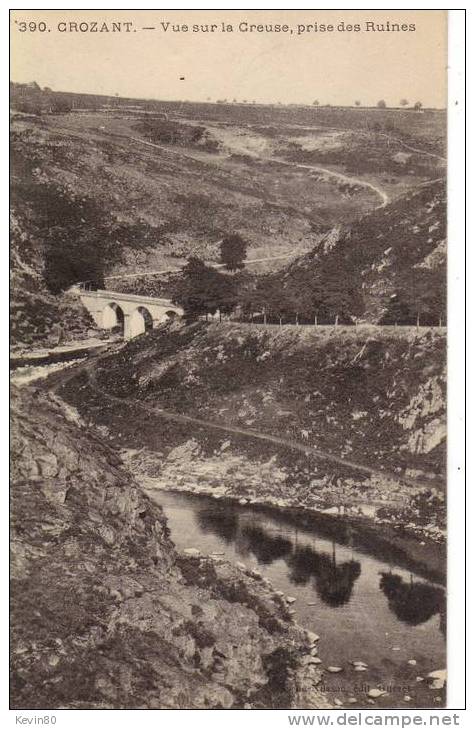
{"type": "Point", "coordinates": [106, 614]}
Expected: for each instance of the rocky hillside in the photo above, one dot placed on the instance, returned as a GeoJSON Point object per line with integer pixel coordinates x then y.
{"type": "Point", "coordinates": [394, 259]}
{"type": "Point", "coordinates": [105, 613]}
{"type": "Point", "coordinates": [362, 396]}
{"type": "Point", "coordinates": [37, 316]}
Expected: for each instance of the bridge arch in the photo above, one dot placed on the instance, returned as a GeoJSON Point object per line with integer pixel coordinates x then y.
{"type": "Point", "coordinates": [132, 313]}
{"type": "Point", "coordinates": [113, 316]}
{"type": "Point", "coordinates": [141, 321]}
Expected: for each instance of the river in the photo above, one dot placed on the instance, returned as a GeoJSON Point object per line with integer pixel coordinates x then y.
{"type": "Point", "coordinates": [355, 591]}
{"type": "Point", "coordinates": [364, 605]}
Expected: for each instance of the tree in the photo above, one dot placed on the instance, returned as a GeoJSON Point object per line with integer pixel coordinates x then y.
{"type": "Point", "coordinates": [60, 105]}
{"type": "Point", "coordinates": [357, 103]}
{"type": "Point", "coordinates": [30, 107]}
{"type": "Point", "coordinates": [316, 102]}
{"type": "Point", "coordinates": [381, 104]}
{"type": "Point", "coordinates": [403, 102]}
{"type": "Point", "coordinates": [233, 252]}
{"type": "Point", "coordinates": [340, 290]}
{"type": "Point", "coordinates": [419, 300]}
{"type": "Point", "coordinates": [80, 241]}
{"type": "Point", "coordinates": [300, 296]}
{"type": "Point", "coordinates": [413, 602]}
{"type": "Point", "coordinates": [265, 296]}
{"type": "Point", "coordinates": [418, 106]}
{"type": "Point", "coordinates": [262, 294]}
{"type": "Point", "coordinates": [203, 290]}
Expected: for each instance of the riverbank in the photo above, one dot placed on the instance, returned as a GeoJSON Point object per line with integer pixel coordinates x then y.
{"type": "Point", "coordinates": [263, 487]}
{"type": "Point", "coordinates": [232, 472]}
{"type": "Point", "coordinates": [218, 463]}
{"type": "Point", "coordinates": [54, 355]}
{"type": "Point", "coordinates": [130, 581]}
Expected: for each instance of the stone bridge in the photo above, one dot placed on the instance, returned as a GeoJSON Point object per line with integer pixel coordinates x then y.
{"type": "Point", "coordinates": [134, 314]}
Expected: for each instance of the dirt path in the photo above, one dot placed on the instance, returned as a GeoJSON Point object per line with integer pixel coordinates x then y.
{"type": "Point", "coordinates": [213, 265]}
{"type": "Point", "coordinates": [330, 173]}
{"type": "Point", "coordinates": [364, 183]}
{"type": "Point", "coordinates": [58, 379]}
{"type": "Point", "coordinates": [340, 176]}
{"type": "Point", "coordinates": [360, 132]}
{"type": "Point", "coordinates": [255, 434]}
{"type": "Point", "coordinates": [384, 197]}
{"type": "Point", "coordinates": [412, 149]}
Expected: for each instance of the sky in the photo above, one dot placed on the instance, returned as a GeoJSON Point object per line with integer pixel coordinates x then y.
{"type": "Point", "coordinates": [336, 67]}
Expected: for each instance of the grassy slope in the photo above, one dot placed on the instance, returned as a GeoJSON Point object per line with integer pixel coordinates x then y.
{"type": "Point", "coordinates": [186, 205]}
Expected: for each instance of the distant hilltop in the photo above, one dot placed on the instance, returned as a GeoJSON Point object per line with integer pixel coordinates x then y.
{"type": "Point", "coordinates": [23, 93]}
{"type": "Point", "coordinates": [31, 98]}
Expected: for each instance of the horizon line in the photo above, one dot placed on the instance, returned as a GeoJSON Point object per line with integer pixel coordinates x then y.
{"type": "Point", "coordinates": [408, 107]}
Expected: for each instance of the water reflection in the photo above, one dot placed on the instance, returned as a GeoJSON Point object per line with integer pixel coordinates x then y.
{"type": "Point", "coordinates": [333, 582]}
{"type": "Point", "coordinates": [223, 524]}
{"type": "Point", "coordinates": [349, 586]}
{"type": "Point", "coordinates": [265, 547]}
{"type": "Point", "coordinates": [412, 602]}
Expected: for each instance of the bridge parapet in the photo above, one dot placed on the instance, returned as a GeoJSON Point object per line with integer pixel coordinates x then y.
{"type": "Point", "coordinates": [121, 296]}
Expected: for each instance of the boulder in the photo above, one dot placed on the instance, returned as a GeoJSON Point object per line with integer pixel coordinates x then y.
{"type": "Point", "coordinates": [192, 552]}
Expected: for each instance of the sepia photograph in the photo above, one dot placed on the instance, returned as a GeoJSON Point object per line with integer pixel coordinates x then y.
{"type": "Point", "coordinates": [228, 355]}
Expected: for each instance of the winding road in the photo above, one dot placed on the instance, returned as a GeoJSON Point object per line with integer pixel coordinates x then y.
{"type": "Point", "coordinates": [384, 197]}
{"type": "Point", "coordinates": [247, 262]}
{"type": "Point", "coordinates": [339, 176]}
{"type": "Point", "coordinates": [346, 179]}
{"type": "Point", "coordinates": [332, 174]}
{"type": "Point", "coordinates": [324, 170]}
